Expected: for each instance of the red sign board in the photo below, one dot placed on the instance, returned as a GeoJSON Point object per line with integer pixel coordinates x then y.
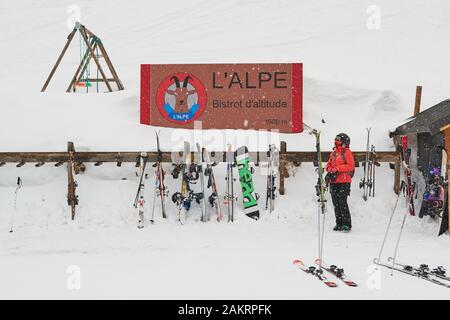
{"type": "Point", "coordinates": [223, 96]}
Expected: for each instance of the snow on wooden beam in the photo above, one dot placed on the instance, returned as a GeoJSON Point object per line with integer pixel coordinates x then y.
{"type": "Point", "coordinates": [98, 158]}
{"type": "Point", "coordinates": [289, 156]}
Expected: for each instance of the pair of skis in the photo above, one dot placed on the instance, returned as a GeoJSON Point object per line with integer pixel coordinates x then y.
{"type": "Point", "coordinates": [213, 198]}
{"type": "Point", "coordinates": [139, 201]}
{"type": "Point", "coordinates": [436, 276]}
{"type": "Point", "coordinates": [272, 170]}
{"type": "Point", "coordinates": [438, 272]}
{"type": "Point", "coordinates": [319, 274]}
{"type": "Point", "coordinates": [367, 183]}
{"type": "Point", "coordinates": [203, 167]}
{"type": "Point", "coordinates": [229, 196]}
{"type": "Point", "coordinates": [190, 173]}
{"type": "Point", "coordinates": [160, 187]}
{"type": "Point", "coordinates": [161, 190]}
{"type": "Point", "coordinates": [408, 186]}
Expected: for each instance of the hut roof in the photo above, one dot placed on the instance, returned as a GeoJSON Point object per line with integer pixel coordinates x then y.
{"type": "Point", "coordinates": [430, 120]}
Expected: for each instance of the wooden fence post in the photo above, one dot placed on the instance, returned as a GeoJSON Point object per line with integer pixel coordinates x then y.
{"type": "Point", "coordinates": [72, 199]}
{"type": "Point", "coordinates": [417, 101]}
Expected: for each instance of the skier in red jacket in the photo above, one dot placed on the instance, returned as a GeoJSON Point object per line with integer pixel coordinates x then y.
{"type": "Point", "coordinates": [340, 168]}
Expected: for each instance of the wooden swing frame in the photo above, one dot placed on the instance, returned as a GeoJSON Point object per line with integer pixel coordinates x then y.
{"type": "Point", "coordinates": [92, 43]}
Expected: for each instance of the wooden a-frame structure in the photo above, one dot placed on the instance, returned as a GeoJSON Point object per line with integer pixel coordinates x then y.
{"type": "Point", "coordinates": [92, 43]}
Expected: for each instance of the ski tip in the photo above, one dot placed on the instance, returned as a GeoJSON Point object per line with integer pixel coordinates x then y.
{"type": "Point", "coordinates": [330, 284]}
{"type": "Point", "coordinates": [350, 283]}
{"type": "Point", "coordinates": [254, 217]}
{"type": "Point", "coordinates": [297, 261]}
{"type": "Point", "coordinates": [317, 261]}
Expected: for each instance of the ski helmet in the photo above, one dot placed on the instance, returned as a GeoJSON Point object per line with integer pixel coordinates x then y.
{"type": "Point", "coordinates": [344, 138]}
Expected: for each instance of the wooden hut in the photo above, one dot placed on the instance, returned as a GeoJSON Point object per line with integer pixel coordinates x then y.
{"type": "Point", "coordinates": [427, 130]}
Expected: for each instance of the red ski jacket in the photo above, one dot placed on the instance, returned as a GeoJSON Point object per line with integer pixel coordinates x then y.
{"type": "Point", "coordinates": [342, 163]}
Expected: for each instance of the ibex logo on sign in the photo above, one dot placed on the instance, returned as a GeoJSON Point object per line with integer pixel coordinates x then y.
{"type": "Point", "coordinates": [181, 98]}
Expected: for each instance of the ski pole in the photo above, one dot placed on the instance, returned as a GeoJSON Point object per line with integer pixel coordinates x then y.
{"type": "Point", "coordinates": [322, 232]}
{"type": "Point", "coordinates": [373, 177]}
{"type": "Point", "coordinates": [388, 227]}
{"type": "Point", "coordinates": [269, 186]}
{"type": "Point", "coordinates": [319, 237]}
{"type": "Point", "coordinates": [19, 185]}
{"type": "Point", "coordinates": [322, 240]}
{"type": "Point", "coordinates": [396, 246]}
{"type": "Point", "coordinates": [143, 160]}
{"type": "Point", "coordinates": [205, 216]}
{"type": "Point", "coordinates": [153, 203]}
{"type": "Point", "coordinates": [366, 173]}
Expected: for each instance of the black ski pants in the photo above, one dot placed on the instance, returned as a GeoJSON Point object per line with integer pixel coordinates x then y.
{"type": "Point", "coordinates": [339, 193]}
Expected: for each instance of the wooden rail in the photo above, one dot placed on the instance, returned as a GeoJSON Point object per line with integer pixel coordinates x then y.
{"type": "Point", "coordinates": [75, 161]}
{"type": "Point", "coordinates": [127, 156]}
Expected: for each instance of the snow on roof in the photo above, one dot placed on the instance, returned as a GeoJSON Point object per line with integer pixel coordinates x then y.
{"type": "Point", "coordinates": [430, 120]}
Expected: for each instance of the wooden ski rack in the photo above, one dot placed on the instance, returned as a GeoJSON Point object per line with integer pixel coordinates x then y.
{"type": "Point", "coordinates": [75, 162]}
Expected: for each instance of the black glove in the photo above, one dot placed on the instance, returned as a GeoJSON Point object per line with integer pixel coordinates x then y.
{"type": "Point", "coordinates": [330, 177]}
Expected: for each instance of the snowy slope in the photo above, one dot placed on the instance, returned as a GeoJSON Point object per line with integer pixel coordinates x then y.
{"type": "Point", "coordinates": [245, 259]}
{"type": "Point", "coordinates": [354, 78]}
{"type": "Point", "coordinates": [348, 67]}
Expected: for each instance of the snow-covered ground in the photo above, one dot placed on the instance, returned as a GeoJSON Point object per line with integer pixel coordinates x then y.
{"type": "Point", "coordinates": [355, 77]}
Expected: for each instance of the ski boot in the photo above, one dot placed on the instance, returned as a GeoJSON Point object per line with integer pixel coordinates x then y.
{"type": "Point", "coordinates": [439, 271]}
{"type": "Point", "coordinates": [141, 220]}
{"type": "Point", "coordinates": [346, 229]}
{"type": "Point", "coordinates": [317, 272]}
{"type": "Point", "coordinates": [338, 272]}
{"type": "Point", "coordinates": [337, 228]}
{"type": "Point", "coordinates": [408, 268]}
{"type": "Point", "coordinates": [424, 270]}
